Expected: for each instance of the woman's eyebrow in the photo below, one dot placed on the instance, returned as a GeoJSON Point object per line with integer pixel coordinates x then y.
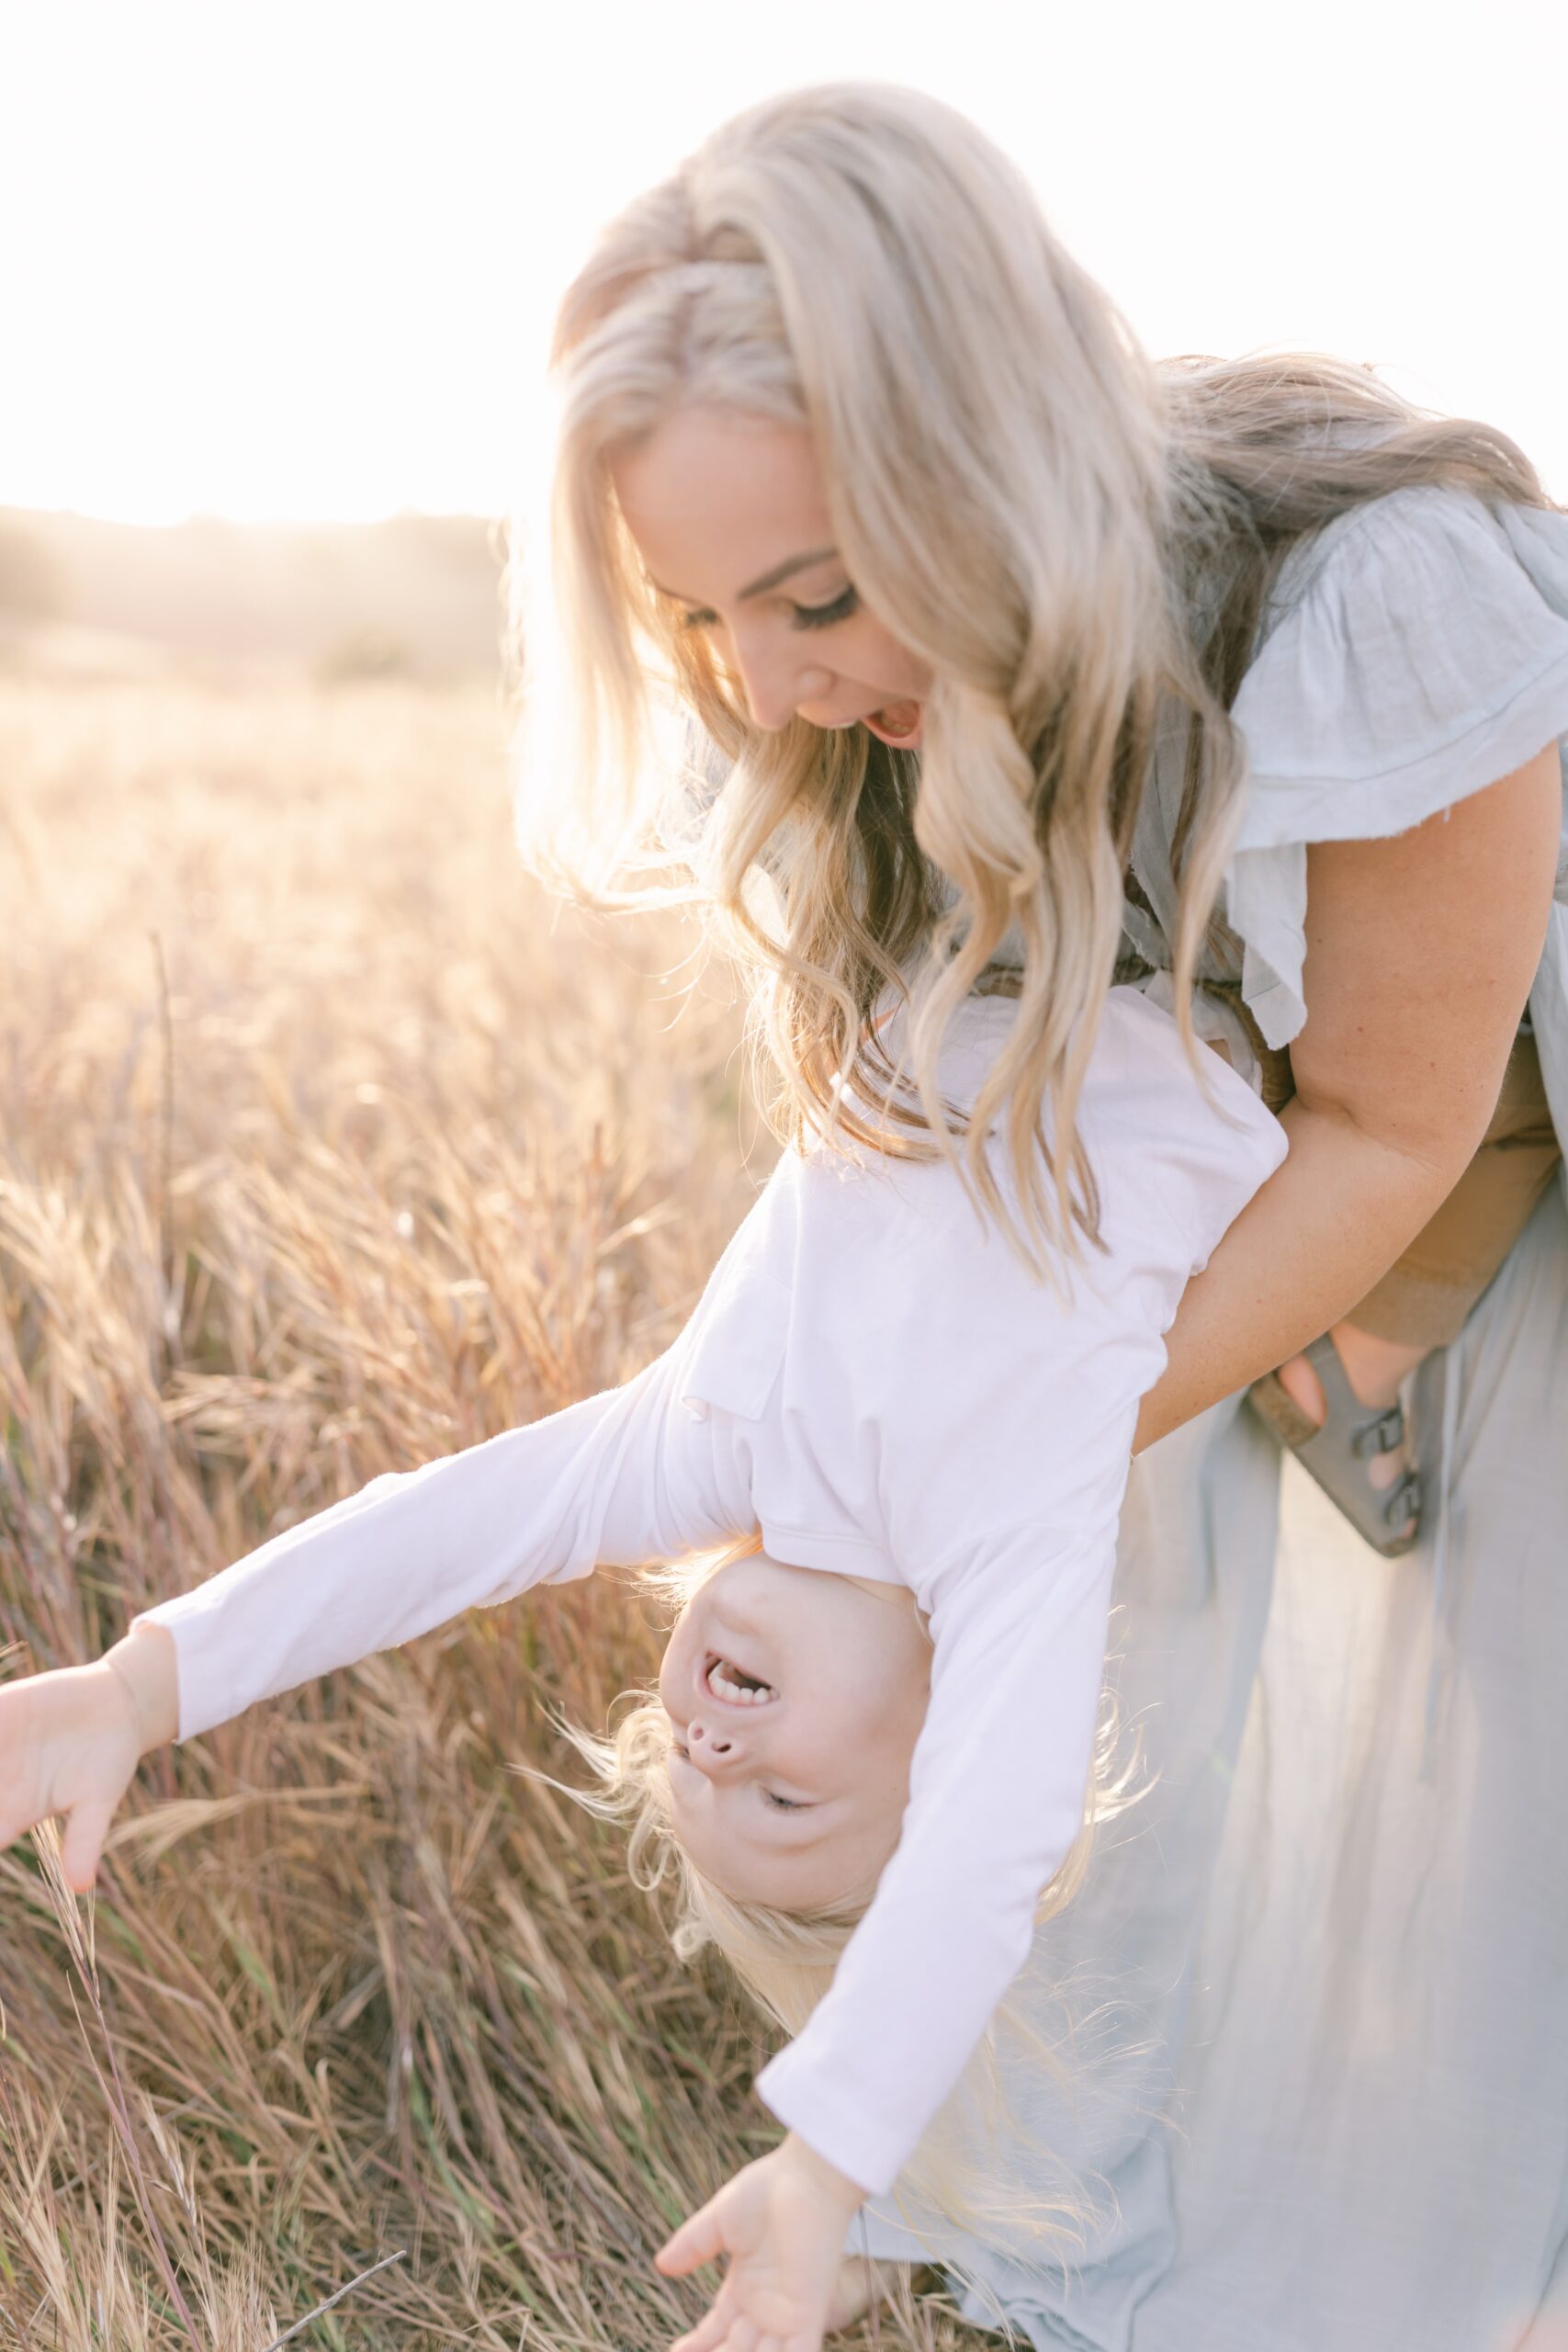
{"type": "Point", "coordinates": [782, 570]}
{"type": "Point", "coordinates": [779, 572]}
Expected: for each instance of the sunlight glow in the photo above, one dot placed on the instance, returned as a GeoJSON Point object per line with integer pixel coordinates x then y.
{"type": "Point", "coordinates": [300, 261]}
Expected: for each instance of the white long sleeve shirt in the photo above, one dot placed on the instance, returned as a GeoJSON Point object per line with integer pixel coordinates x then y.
{"type": "Point", "coordinates": [874, 1380]}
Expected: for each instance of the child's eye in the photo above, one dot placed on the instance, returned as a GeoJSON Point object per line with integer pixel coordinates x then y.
{"type": "Point", "coordinates": [783, 1804]}
{"type": "Point", "coordinates": [697, 620]}
{"type": "Point", "coordinates": [824, 616]}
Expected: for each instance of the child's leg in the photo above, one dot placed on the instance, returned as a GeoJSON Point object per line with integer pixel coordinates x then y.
{"type": "Point", "coordinates": [1424, 1298]}
{"type": "Point", "coordinates": [1421, 1303]}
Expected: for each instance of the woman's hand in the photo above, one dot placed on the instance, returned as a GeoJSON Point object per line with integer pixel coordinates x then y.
{"type": "Point", "coordinates": [71, 1741]}
{"type": "Point", "coordinates": [782, 2222]}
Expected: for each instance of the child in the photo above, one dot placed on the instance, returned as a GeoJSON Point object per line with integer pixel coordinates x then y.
{"type": "Point", "coordinates": [875, 1383]}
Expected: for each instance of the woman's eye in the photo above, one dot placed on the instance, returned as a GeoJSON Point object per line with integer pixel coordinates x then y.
{"type": "Point", "coordinates": [804, 615]}
{"type": "Point", "coordinates": [824, 616]}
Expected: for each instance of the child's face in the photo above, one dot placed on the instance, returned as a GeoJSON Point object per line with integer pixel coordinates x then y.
{"type": "Point", "coordinates": [794, 1799]}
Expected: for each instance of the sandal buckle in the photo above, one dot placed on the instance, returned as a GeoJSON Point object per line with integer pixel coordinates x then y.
{"type": "Point", "coordinates": [1382, 1436]}
{"type": "Point", "coordinates": [1404, 1502]}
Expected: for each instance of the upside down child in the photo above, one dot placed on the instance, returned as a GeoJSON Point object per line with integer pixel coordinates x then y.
{"type": "Point", "coordinates": [881, 1717]}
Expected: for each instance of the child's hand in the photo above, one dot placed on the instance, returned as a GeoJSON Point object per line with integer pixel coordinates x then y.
{"type": "Point", "coordinates": [782, 2222]}
{"type": "Point", "coordinates": [71, 1741]}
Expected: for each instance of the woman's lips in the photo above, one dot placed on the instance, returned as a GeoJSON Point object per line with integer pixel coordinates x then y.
{"type": "Point", "coordinates": [898, 723]}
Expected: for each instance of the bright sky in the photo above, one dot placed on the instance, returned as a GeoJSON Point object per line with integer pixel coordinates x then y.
{"type": "Point", "coordinates": [274, 260]}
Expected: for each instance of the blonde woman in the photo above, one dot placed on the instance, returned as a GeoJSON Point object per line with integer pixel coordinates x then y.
{"type": "Point", "coordinates": [1022, 661]}
{"type": "Point", "coordinates": [1011, 652]}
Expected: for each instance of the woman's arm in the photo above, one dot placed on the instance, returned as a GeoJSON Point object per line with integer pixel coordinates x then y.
{"type": "Point", "coordinates": [1421, 949]}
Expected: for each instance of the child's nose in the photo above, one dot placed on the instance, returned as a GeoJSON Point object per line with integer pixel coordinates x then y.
{"type": "Point", "coordinates": [709, 1748]}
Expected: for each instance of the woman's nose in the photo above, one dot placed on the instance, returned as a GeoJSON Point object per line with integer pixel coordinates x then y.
{"type": "Point", "coordinates": [776, 683]}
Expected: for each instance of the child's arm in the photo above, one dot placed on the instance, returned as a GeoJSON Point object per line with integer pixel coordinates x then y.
{"type": "Point", "coordinates": [413, 1549]}
{"type": "Point", "coordinates": [611, 1479]}
{"type": "Point", "coordinates": [996, 1804]}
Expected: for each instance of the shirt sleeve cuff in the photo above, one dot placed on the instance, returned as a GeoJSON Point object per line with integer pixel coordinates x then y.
{"type": "Point", "coordinates": [842, 2136]}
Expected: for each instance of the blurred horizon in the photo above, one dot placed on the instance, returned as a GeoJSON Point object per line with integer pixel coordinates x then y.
{"type": "Point", "coordinates": [415, 596]}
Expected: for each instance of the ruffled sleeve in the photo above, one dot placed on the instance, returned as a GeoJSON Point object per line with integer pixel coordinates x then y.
{"type": "Point", "coordinates": [1415, 652]}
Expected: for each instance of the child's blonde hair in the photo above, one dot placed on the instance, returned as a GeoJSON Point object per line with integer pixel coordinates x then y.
{"type": "Point", "coordinates": [786, 1960]}
{"type": "Point", "coordinates": [1064, 532]}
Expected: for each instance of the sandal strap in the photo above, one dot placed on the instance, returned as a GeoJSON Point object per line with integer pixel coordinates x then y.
{"type": "Point", "coordinates": [1385, 1435]}
{"type": "Point", "coordinates": [1404, 1503]}
{"type": "Point", "coordinates": [1329, 1365]}
{"type": "Point", "coordinates": [1270, 1397]}
{"type": "Point", "coordinates": [1381, 1517]}
{"type": "Point", "coordinates": [1383, 1432]}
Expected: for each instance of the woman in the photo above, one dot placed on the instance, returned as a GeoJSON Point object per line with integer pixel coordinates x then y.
{"type": "Point", "coordinates": [1013, 650]}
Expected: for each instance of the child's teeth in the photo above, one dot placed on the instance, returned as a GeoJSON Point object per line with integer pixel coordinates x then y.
{"type": "Point", "coordinates": [721, 1681]}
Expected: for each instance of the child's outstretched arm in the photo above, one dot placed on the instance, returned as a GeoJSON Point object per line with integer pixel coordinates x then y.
{"type": "Point", "coordinates": [544, 1504]}
{"type": "Point", "coordinates": [616, 1479]}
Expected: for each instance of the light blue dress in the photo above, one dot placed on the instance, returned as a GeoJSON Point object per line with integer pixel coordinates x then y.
{"type": "Point", "coordinates": [1313, 2003]}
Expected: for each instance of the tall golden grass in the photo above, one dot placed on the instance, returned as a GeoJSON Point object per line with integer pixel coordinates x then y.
{"type": "Point", "coordinates": [327, 1144]}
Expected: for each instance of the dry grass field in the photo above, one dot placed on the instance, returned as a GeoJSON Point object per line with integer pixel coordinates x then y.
{"type": "Point", "coordinates": [327, 1144]}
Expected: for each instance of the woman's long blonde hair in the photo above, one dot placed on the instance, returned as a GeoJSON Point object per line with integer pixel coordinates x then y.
{"type": "Point", "coordinates": [1065, 532]}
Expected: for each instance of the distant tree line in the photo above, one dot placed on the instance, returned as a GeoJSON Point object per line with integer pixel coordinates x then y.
{"type": "Point", "coordinates": [32, 579]}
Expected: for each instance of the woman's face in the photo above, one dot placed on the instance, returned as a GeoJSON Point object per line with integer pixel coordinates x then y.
{"type": "Point", "coordinates": [730, 520]}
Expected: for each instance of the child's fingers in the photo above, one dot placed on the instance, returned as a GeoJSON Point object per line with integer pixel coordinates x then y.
{"type": "Point", "coordinates": [709, 2335]}
{"type": "Point", "coordinates": [84, 1843]}
{"type": "Point", "coordinates": [696, 2242]}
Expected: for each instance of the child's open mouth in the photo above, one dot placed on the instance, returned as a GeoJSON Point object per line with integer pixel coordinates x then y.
{"type": "Point", "coordinates": [726, 1680]}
